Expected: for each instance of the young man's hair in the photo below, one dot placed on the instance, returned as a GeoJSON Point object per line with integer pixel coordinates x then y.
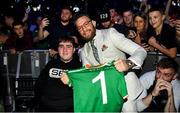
{"type": "Point", "coordinates": [161, 10]}
{"type": "Point", "coordinates": [79, 16]}
{"type": "Point", "coordinates": [68, 8]}
{"type": "Point", "coordinates": [15, 23]}
{"type": "Point", "coordinates": [168, 63]}
{"type": "Point", "coordinates": [126, 9]}
{"type": "Point", "coordinates": [67, 39]}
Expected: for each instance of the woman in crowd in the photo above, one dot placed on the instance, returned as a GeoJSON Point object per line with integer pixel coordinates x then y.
{"type": "Point", "coordinates": [140, 23]}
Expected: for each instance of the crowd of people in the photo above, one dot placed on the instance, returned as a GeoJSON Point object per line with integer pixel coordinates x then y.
{"type": "Point", "coordinates": [124, 39]}
{"type": "Point", "coordinates": [141, 27]}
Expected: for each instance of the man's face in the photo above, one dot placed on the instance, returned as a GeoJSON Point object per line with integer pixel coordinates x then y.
{"type": "Point", "coordinates": [65, 15]}
{"type": "Point", "coordinates": [156, 19]}
{"type": "Point", "coordinates": [167, 74]}
{"type": "Point", "coordinates": [19, 30]}
{"type": "Point", "coordinates": [128, 17]}
{"type": "Point", "coordinates": [66, 51]}
{"type": "Point", "coordinates": [85, 28]}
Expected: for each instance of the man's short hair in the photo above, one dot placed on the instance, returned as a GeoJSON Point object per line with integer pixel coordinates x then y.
{"type": "Point", "coordinates": [67, 39]}
{"type": "Point", "coordinates": [17, 22]}
{"type": "Point", "coordinates": [168, 63]}
{"type": "Point", "coordinates": [161, 10]}
{"type": "Point", "coordinates": [68, 8]}
{"type": "Point", "coordinates": [128, 8]}
{"type": "Point", "coordinates": [76, 17]}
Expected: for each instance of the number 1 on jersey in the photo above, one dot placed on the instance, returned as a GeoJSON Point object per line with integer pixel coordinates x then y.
{"type": "Point", "coordinates": [103, 86]}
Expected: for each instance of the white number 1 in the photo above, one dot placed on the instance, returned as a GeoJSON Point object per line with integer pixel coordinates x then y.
{"type": "Point", "coordinates": [103, 85]}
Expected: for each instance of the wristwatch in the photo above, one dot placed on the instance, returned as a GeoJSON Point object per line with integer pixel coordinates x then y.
{"type": "Point", "coordinates": [130, 64]}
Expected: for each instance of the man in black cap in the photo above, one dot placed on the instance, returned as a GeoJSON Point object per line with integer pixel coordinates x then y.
{"type": "Point", "coordinates": [105, 22]}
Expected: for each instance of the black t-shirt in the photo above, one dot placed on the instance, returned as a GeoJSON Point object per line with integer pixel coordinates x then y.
{"type": "Point", "coordinates": [167, 37]}
{"type": "Point", "coordinates": [57, 30]}
{"type": "Point", "coordinates": [119, 27]}
{"type": "Point", "coordinates": [122, 29]}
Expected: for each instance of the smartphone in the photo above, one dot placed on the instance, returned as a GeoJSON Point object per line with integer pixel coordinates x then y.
{"type": "Point", "coordinates": [28, 9]}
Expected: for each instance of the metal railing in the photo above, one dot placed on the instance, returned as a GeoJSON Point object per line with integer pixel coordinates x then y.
{"type": "Point", "coordinates": [19, 71]}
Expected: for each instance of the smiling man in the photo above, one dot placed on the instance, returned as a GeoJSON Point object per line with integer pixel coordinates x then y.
{"type": "Point", "coordinates": [105, 46]}
{"type": "Point", "coordinates": [50, 92]}
{"type": "Point", "coordinates": [158, 37]}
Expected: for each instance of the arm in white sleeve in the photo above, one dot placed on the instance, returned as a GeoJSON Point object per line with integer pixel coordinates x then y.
{"type": "Point", "coordinates": [136, 52]}
{"type": "Point", "coordinates": [139, 102]}
{"type": "Point", "coordinates": [138, 57]}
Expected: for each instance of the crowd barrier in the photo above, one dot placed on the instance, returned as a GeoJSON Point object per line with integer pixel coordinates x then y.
{"type": "Point", "coordinates": [29, 63]}
{"type": "Point", "coordinates": [26, 64]}
{"type": "Point", "coordinates": [19, 72]}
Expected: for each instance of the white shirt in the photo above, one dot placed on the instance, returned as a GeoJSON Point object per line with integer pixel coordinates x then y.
{"type": "Point", "coordinates": [112, 45]}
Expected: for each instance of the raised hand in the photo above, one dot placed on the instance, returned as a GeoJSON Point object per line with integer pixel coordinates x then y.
{"type": "Point", "coordinates": [44, 23]}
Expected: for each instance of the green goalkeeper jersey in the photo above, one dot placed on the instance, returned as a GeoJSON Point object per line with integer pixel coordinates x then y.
{"type": "Point", "coordinates": [100, 89]}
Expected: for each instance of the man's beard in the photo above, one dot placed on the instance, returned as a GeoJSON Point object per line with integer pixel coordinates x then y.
{"type": "Point", "coordinates": [64, 20]}
{"type": "Point", "coordinates": [93, 34]}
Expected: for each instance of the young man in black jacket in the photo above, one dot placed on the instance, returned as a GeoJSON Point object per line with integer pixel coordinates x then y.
{"type": "Point", "coordinates": [50, 93]}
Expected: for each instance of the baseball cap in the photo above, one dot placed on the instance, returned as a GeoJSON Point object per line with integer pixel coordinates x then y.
{"type": "Point", "coordinates": [104, 16]}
